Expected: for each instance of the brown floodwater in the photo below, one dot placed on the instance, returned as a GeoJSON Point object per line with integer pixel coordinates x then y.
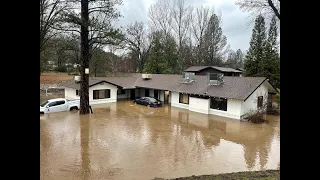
{"type": "Point", "coordinates": [126, 141]}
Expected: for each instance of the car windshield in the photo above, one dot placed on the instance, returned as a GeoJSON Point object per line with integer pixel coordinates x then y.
{"type": "Point", "coordinates": [43, 104]}
{"type": "Point", "coordinates": [152, 99]}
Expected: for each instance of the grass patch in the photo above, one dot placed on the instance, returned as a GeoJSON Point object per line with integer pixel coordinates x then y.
{"type": "Point", "coordinates": [252, 175]}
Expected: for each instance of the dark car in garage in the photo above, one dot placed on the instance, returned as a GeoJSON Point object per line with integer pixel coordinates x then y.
{"type": "Point", "coordinates": [148, 101]}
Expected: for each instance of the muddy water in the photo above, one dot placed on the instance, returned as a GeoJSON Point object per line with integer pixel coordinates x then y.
{"type": "Point", "coordinates": [126, 141]}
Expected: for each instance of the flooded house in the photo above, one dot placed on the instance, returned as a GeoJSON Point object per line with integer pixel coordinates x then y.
{"type": "Point", "coordinates": [211, 93]}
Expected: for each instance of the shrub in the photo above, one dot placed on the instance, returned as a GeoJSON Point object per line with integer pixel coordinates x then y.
{"type": "Point", "coordinates": [256, 117]}
{"type": "Point", "coordinates": [61, 69]}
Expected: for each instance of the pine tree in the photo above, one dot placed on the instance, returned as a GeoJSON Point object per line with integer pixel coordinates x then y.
{"type": "Point", "coordinates": [171, 56]}
{"type": "Point", "coordinates": [155, 62]}
{"type": "Point", "coordinates": [271, 64]}
{"type": "Point", "coordinates": [163, 55]}
{"type": "Point", "coordinates": [239, 59]}
{"type": "Point", "coordinates": [254, 58]}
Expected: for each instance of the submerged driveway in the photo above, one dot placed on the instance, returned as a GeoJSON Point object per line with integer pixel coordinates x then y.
{"type": "Point", "coordinates": [127, 141]}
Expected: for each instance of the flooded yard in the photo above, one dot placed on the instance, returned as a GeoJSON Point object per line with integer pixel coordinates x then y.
{"type": "Point", "coordinates": [126, 141]}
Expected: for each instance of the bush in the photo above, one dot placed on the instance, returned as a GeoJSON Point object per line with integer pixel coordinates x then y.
{"type": "Point", "coordinates": [256, 117]}
{"type": "Point", "coordinates": [61, 69]}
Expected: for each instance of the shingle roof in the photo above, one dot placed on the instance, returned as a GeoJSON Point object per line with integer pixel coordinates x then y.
{"type": "Point", "coordinates": [196, 68]}
{"type": "Point", "coordinates": [222, 69]}
{"type": "Point", "coordinates": [233, 86]}
{"type": "Point", "coordinates": [125, 82]}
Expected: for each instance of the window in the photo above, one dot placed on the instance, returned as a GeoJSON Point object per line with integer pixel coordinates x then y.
{"type": "Point", "coordinates": [183, 98]}
{"type": "Point", "coordinates": [152, 99]}
{"type": "Point", "coordinates": [56, 103]}
{"type": "Point", "coordinates": [121, 91]}
{"type": "Point", "coordinates": [77, 92]}
{"type": "Point", "coordinates": [219, 104]}
{"type": "Point", "coordinates": [60, 103]}
{"type": "Point", "coordinates": [43, 104]}
{"type": "Point", "coordinates": [260, 101]}
{"type": "Point", "coordinates": [52, 104]}
{"type": "Point", "coordinates": [101, 94]}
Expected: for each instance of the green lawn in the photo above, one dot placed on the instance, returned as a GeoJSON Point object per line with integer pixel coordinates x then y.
{"type": "Point", "coordinates": [254, 175]}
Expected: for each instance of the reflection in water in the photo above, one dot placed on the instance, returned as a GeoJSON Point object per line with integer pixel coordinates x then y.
{"type": "Point", "coordinates": [125, 141]}
{"type": "Point", "coordinates": [84, 145]}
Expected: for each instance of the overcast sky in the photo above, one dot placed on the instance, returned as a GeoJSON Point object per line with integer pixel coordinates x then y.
{"type": "Point", "coordinates": [235, 22]}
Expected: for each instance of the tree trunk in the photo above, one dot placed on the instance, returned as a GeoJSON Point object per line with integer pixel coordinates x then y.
{"type": "Point", "coordinates": [84, 86]}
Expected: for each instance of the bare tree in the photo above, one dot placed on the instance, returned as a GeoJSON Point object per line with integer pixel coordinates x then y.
{"type": "Point", "coordinates": [137, 43]}
{"type": "Point", "coordinates": [210, 43]}
{"type": "Point", "coordinates": [200, 19]}
{"type": "Point", "coordinates": [50, 11]}
{"type": "Point", "coordinates": [265, 7]}
{"type": "Point", "coordinates": [160, 16]}
{"type": "Point", "coordinates": [180, 25]}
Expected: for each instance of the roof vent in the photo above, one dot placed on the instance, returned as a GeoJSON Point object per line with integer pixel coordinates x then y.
{"type": "Point", "coordinates": [146, 76]}
{"type": "Point", "coordinates": [215, 78]}
{"type": "Point", "coordinates": [77, 79]}
{"type": "Point", "coordinates": [188, 77]}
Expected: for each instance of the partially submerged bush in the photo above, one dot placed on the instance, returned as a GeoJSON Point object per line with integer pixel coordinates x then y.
{"type": "Point", "coordinates": [256, 117]}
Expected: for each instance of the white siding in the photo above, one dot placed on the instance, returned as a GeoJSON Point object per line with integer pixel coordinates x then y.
{"type": "Point", "coordinates": [251, 102]}
{"type": "Point", "coordinates": [233, 109]}
{"type": "Point", "coordinates": [113, 93]}
{"type": "Point", "coordinates": [175, 101]}
{"type": "Point", "coordinates": [199, 105]}
{"type": "Point", "coordinates": [70, 93]}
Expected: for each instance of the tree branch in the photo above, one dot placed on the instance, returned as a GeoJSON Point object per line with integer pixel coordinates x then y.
{"type": "Point", "coordinates": [274, 8]}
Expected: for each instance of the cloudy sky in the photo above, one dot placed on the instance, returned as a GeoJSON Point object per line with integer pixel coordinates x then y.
{"type": "Point", "coordinates": [235, 22]}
